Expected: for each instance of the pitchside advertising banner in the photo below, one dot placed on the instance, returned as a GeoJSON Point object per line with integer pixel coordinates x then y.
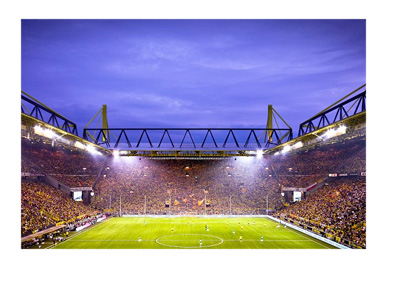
{"type": "Point", "coordinates": [347, 175]}
{"type": "Point", "coordinates": [293, 189]}
{"type": "Point", "coordinates": [31, 175]}
{"type": "Point", "coordinates": [81, 189]}
{"type": "Point", "coordinates": [311, 187]}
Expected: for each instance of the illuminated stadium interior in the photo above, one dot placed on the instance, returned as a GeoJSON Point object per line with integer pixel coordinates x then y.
{"type": "Point", "coordinates": [314, 183]}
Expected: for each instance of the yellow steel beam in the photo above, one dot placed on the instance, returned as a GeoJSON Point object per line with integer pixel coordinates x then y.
{"type": "Point", "coordinates": [34, 99]}
{"type": "Point", "coordinates": [27, 118]}
{"type": "Point", "coordinates": [343, 98]}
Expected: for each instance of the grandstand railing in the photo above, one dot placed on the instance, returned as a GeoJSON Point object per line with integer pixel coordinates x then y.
{"type": "Point", "coordinates": [44, 114]}
{"type": "Point", "coordinates": [335, 113]}
{"type": "Point", "coordinates": [196, 138]}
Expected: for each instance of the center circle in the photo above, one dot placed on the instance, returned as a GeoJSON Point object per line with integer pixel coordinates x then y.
{"type": "Point", "coordinates": [192, 240]}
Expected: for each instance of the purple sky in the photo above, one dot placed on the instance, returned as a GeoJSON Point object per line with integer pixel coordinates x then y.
{"type": "Point", "coordinates": [192, 73]}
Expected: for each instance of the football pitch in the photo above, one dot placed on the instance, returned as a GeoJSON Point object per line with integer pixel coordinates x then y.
{"type": "Point", "coordinates": [190, 233]}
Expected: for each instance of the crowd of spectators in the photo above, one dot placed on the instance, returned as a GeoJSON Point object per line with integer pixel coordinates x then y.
{"type": "Point", "coordinates": [342, 157]}
{"type": "Point", "coordinates": [245, 185]}
{"type": "Point", "coordinates": [185, 186]}
{"type": "Point", "coordinates": [76, 180]}
{"type": "Point", "coordinates": [337, 209]}
{"type": "Point", "coordinates": [72, 168]}
{"type": "Point", "coordinates": [228, 186]}
{"type": "Point", "coordinates": [43, 206]}
{"type": "Point", "coordinates": [39, 242]}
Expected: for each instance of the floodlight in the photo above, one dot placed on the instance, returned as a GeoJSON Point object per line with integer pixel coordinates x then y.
{"type": "Point", "coordinates": [329, 133]}
{"type": "Point", "coordinates": [38, 129]}
{"type": "Point", "coordinates": [92, 150]}
{"type": "Point", "coordinates": [341, 129]}
{"type": "Point", "coordinates": [298, 145]}
{"type": "Point", "coordinates": [286, 149]}
{"type": "Point", "coordinates": [79, 145]}
{"type": "Point", "coordinates": [49, 133]}
{"type": "Point", "coordinates": [116, 153]}
{"type": "Point", "coordinates": [260, 154]}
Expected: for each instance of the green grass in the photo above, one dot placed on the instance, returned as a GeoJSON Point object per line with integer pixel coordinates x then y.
{"type": "Point", "coordinates": [186, 233]}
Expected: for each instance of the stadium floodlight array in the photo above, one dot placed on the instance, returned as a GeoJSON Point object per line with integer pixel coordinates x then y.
{"type": "Point", "coordinates": [289, 148]}
{"type": "Point", "coordinates": [330, 133]}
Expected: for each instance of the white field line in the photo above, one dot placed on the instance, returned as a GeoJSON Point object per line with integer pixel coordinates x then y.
{"type": "Point", "coordinates": [76, 234]}
{"type": "Point", "coordinates": [288, 228]}
{"type": "Point", "coordinates": [232, 240]}
{"type": "Point", "coordinates": [152, 240]}
{"type": "Point", "coordinates": [186, 223]}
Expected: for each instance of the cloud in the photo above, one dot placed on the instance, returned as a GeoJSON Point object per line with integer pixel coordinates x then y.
{"type": "Point", "coordinates": [194, 73]}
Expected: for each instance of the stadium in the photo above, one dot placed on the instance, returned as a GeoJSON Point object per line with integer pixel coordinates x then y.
{"type": "Point", "coordinates": [203, 134]}
{"type": "Point", "coordinates": [194, 188]}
